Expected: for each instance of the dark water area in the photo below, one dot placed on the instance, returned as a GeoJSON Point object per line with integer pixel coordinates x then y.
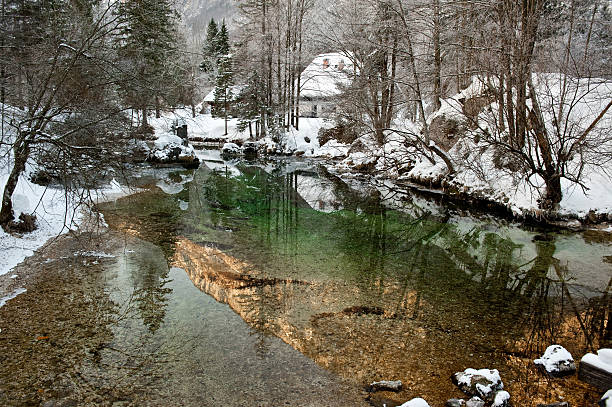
{"type": "Point", "coordinates": [249, 263]}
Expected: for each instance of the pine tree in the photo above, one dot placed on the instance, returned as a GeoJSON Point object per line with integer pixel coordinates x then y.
{"type": "Point", "coordinates": [209, 50]}
{"type": "Point", "coordinates": [223, 88]}
{"type": "Point", "coordinates": [249, 103]}
{"type": "Point", "coordinates": [222, 41]}
{"type": "Point", "coordinates": [148, 48]}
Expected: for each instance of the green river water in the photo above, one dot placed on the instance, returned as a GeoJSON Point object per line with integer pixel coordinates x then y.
{"type": "Point", "coordinates": [280, 284]}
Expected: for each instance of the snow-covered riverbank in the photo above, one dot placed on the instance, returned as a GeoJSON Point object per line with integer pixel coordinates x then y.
{"type": "Point", "coordinates": [476, 177]}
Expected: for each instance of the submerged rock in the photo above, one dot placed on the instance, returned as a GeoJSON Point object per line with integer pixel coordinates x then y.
{"type": "Point", "coordinates": [483, 383]}
{"type": "Point", "coordinates": [455, 403]}
{"type": "Point", "coordinates": [557, 361]}
{"type": "Point", "coordinates": [386, 385]}
{"type": "Point", "coordinates": [417, 402]}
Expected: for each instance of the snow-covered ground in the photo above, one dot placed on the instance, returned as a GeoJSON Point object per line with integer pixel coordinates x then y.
{"type": "Point", "coordinates": [205, 127]}
{"type": "Point", "coordinates": [55, 213]}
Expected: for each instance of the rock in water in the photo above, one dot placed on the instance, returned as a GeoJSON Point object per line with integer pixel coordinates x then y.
{"type": "Point", "coordinates": [386, 385]}
{"type": "Point", "coordinates": [482, 383]}
{"type": "Point", "coordinates": [230, 150]}
{"type": "Point", "coordinates": [418, 402]}
{"type": "Point", "coordinates": [557, 361]}
{"type": "Point", "coordinates": [501, 399]}
{"type": "Point", "coordinates": [475, 402]}
{"type": "Point", "coordinates": [455, 403]}
{"type": "Point", "coordinates": [606, 400]}
{"type": "Point", "coordinates": [249, 149]}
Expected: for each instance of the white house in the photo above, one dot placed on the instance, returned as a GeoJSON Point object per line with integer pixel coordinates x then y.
{"type": "Point", "coordinates": [321, 84]}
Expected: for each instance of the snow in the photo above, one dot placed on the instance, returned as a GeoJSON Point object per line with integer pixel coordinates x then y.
{"type": "Point", "coordinates": [602, 360]}
{"type": "Point", "coordinates": [12, 295]}
{"type": "Point", "coordinates": [477, 175]}
{"type": "Point", "coordinates": [231, 148]}
{"type": "Point", "coordinates": [607, 397]}
{"type": "Point", "coordinates": [554, 357]}
{"type": "Point", "coordinates": [417, 402]}
{"type": "Point", "coordinates": [95, 254]}
{"type": "Point", "coordinates": [319, 81]}
{"type": "Point", "coordinates": [501, 399]}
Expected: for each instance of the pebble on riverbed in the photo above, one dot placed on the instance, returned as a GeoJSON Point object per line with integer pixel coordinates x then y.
{"type": "Point", "coordinates": [557, 361]}
{"type": "Point", "coordinates": [386, 385]}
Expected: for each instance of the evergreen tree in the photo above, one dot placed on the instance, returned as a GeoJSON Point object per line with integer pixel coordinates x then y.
{"type": "Point", "coordinates": [210, 53]}
{"type": "Point", "coordinates": [223, 88]}
{"type": "Point", "coordinates": [249, 104]}
{"type": "Point", "coordinates": [222, 41]}
{"type": "Point", "coordinates": [147, 48]}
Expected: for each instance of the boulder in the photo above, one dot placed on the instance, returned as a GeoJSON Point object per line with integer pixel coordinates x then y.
{"type": "Point", "coordinates": [169, 149]}
{"type": "Point", "coordinates": [483, 383]}
{"type": "Point", "coordinates": [445, 131]}
{"type": "Point", "coordinates": [455, 403]}
{"type": "Point", "coordinates": [386, 385]}
{"type": "Point", "coordinates": [556, 361]}
{"type": "Point", "coordinates": [230, 150]}
{"type": "Point", "coordinates": [249, 149]}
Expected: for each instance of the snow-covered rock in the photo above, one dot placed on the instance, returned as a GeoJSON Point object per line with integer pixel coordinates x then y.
{"type": "Point", "coordinates": [455, 403]}
{"type": "Point", "coordinates": [475, 402]}
{"type": "Point", "coordinates": [482, 383]}
{"type": "Point", "coordinates": [603, 359]}
{"type": "Point", "coordinates": [230, 150]}
{"type": "Point", "coordinates": [249, 149]}
{"type": "Point", "coordinates": [606, 399]}
{"type": "Point", "coordinates": [417, 402]}
{"type": "Point", "coordinates": [169, 148]}
{"type": "Point", "coordinates": [386, 385]}
{"type": "Point", "coordinates": [501, 399]}
{"type": "Point", "coordinates": [557, 361]}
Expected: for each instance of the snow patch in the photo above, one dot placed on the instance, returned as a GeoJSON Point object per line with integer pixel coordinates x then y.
{"type": "Point", "coordinates": [417, 402]}
{"type": "Point", "coordinates": [12, 295]}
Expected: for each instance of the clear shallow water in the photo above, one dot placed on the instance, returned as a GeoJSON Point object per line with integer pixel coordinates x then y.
{"type": "Point", "coordinates": [182, 347]}
{"type": "Point", "coordinates": [369, 288]}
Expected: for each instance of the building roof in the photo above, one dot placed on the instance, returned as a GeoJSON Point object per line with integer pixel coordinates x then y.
{"type": "Point", "coordinates": [326, 75]}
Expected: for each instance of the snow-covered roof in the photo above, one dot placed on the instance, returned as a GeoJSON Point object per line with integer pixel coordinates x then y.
{"type": "Point", "coordinates": [325, 75]}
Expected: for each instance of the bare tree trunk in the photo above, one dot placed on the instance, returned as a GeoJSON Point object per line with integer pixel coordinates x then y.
{"type": "Point", "coordinates": [21, 151]}
{"type": "Point", "coordinates": [437, 91]}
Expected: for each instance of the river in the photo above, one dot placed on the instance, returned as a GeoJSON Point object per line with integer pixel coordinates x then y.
{"type": "Point", "coordinates": [278, 283]}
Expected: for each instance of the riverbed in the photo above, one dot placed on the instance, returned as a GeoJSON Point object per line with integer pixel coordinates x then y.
{"type": "Point", "coordinates": [273, 283]}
